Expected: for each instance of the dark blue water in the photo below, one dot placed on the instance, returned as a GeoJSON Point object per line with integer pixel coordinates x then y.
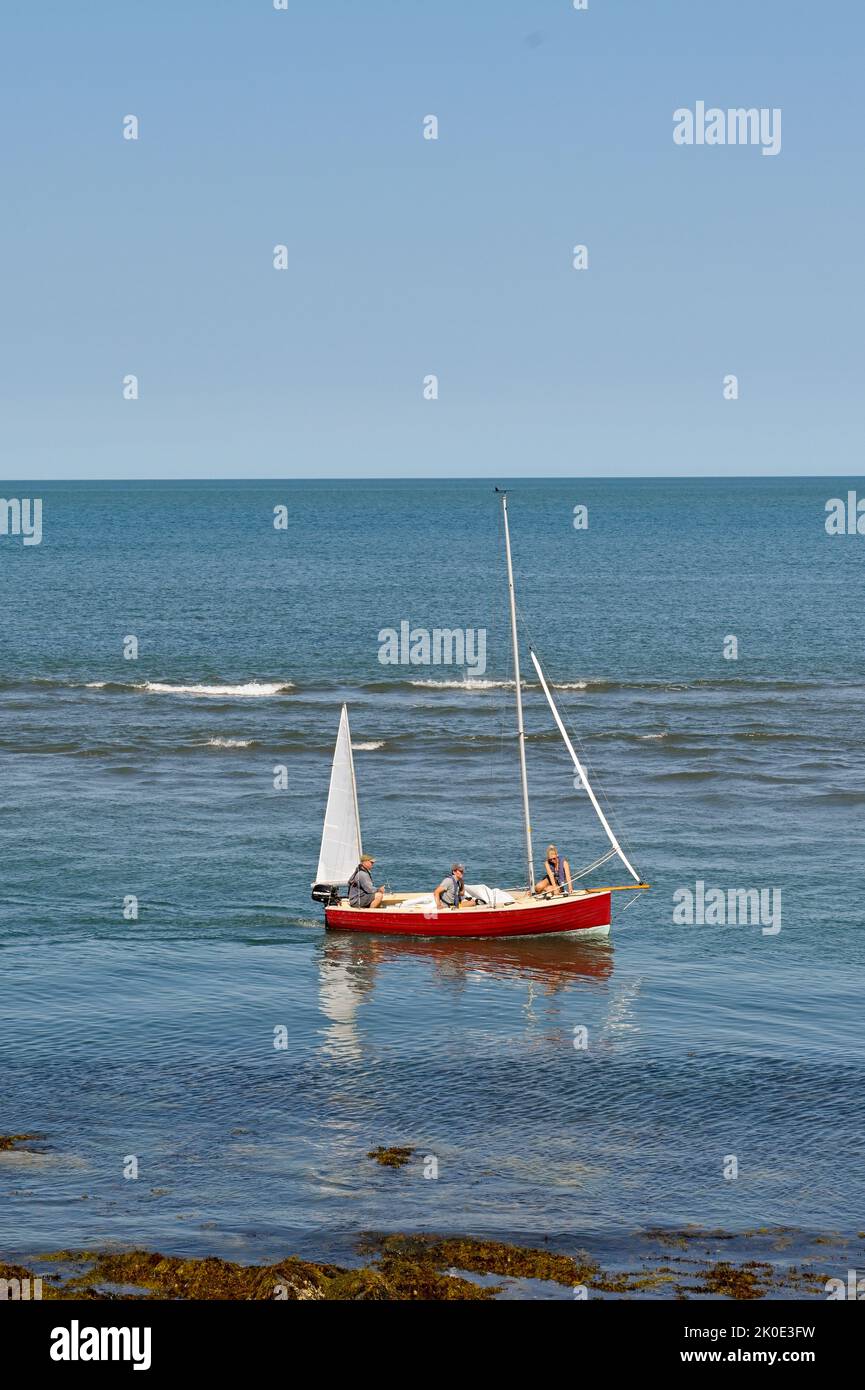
{"type": "Point", "coordinates": [155, 1037]}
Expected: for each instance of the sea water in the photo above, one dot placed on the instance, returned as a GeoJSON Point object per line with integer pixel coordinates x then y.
{"type": "Point", "coordinates": [209, 1070]}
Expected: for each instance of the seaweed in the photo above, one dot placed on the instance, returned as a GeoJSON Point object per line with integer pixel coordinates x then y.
{"type": "Point", "coordinates": [749, 1280]}
{"type": "Point", "coordinates": [11, 1141]}
{"type": "Point", "coordinates": [401, 1268]}
{"type": "Point", "coordinates": [391, 1158]}
{"type": "Point", "coordinates": [168, 1277]}
{"type": "Point", "coordinates": [18, 1274]}
{"type": "Point", "coordinates": [484, 1257]}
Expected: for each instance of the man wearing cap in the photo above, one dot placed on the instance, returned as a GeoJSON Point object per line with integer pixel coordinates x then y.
{"type": "Point", "coordinates": [361, 892]}
{"type": "Point", "coordinates": [451, 890]}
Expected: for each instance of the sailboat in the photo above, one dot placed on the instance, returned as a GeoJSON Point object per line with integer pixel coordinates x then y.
{"type": "Point", "coordinates": [521, 911]}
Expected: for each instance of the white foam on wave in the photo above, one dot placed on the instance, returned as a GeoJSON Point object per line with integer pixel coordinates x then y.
{"type": "Point", "coordinates": [470, 684]}
{"type": "Point", "coordinates": [474, 683]}
{"type": "Point", "coordinates": [651, 735]}
{"type": "Point", "coordinates": [229, 742]}
{"type": "Point", "coordinates": [95, 685]}
{"type": "Point", "coordinates": [249, 691]}
{"type": "Point", "coordinates": [367, 747]}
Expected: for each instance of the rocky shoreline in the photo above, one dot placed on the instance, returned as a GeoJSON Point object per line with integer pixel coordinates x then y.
{"type": "Point", "coordinates": [409, 1267]}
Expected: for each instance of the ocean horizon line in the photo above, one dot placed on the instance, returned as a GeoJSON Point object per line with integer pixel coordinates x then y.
{"type": "Point", "coordinates": [534, 480]}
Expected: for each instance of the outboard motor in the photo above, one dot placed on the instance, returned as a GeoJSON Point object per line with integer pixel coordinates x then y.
{"type": "Point", "coordinates": [326, 894]}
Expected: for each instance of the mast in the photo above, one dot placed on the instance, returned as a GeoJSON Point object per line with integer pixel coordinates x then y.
{"type": "Point", "coordinates": [521, 732]}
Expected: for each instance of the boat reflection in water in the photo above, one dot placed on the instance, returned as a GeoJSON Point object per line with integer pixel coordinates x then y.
{"type": "Point", "coordinates": [350, 967]}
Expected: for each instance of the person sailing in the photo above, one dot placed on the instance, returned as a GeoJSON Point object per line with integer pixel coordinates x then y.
{"type": "Point", "coordinates": [361, 892]}
{"type": "Point", "coordinates": [558, 874]}
{"type": "Point", "coordinates": [451, 890]}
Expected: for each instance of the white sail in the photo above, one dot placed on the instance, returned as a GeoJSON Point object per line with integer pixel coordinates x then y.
{"type": "Point", "coordinates": [340, 839]}
{"type": "Point", "coordinates": [581, 770]}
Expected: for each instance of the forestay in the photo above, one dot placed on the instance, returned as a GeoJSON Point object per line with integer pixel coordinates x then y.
{"type": "Point", "coordinates": [340, 840]}
{"type": "Point", "coordinates": [582, 772]}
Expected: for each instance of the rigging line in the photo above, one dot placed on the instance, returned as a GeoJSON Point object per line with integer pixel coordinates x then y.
{"type": "Point", "coordinates": [581, 770]}
{"type": "Point", "coordinates": [608, 823]}
{"type": "Point", "coordinates": [630, 903]}
{"type": "Point", "coordinates": [597, 864]}
{"type": "Point", "coordinates": [612, 817]}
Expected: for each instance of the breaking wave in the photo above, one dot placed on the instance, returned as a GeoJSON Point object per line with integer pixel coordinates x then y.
{"type": "Point", "coordinates": [250, 690]}
{"type": "Point", "coordinates": [244, 690]}
{"type": "Point", "coordinates": [475, 683]}
{"type": "Point", "coordinates": [471, 683]}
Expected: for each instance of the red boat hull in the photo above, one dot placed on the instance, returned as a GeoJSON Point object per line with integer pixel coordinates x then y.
{"type": "Point", "coordinates": [572, 914]}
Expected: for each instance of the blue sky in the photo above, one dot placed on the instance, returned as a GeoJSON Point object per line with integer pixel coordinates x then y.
{"type": "Point", "coordinates": [409, 257]}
